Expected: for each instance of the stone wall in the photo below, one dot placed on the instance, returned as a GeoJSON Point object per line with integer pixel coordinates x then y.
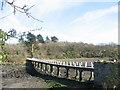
{"type": "Point", "coordinates": [107, 74]}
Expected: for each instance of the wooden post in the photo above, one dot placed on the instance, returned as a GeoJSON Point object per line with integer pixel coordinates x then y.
{"type": "Point", "coordinates": [80, 75]}
{"type": "Point", "coordinates": [58, 71]}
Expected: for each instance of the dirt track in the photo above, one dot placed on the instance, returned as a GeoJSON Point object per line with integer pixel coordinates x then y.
{"type": "Point", "coordinates": [15, 76]}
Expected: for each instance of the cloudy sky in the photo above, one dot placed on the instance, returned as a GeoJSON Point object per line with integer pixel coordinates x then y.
{"type": "Point", "coordinates": [88, 21]}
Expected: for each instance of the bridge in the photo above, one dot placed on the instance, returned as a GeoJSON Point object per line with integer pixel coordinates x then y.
{"type": "Point", "coordinates": [58, 68]}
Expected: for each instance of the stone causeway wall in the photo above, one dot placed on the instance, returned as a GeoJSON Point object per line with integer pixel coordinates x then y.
{"type": "Point", "coordinates": [107, 74]}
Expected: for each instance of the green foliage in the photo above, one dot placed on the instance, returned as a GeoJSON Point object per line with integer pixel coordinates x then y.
{"type": "Point", "coordinates": [21, 39]}
{"type": "Point", "coordinates": [31, 39]}
{"type": "Point", "coordinates": [3, 38]}
{"type": "Point", "coordinates": [40, 38]}
{"type": "Point", "coordinates": [33, 46]}
{"type": "Point", "coordinates": [54, 39]}
{"type": "Point", "coordinates": [30, 43]}
{"type": "Point", "coordinates": [47, 39]}
{"type": "Point", "coordinates": [12, 33]}
{"type": "Point", "coordinates": [119, 52]}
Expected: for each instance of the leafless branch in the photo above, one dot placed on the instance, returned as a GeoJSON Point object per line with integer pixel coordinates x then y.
{"type": "Point", "coordinates": [18, 35]}
{"type": "Point", "coordinates": [25, 9]}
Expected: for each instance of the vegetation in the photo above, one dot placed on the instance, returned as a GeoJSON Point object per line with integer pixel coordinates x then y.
{"type": "Point", "coordinates": [4, 37]}
{"type": "Point", "coordinates": [35, 46]}
{"type": "Point", "coordinates": [62, 50]}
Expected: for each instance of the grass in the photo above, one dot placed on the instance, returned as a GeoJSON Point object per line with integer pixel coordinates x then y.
{"type": "Point", "coordinates": [54, 84]}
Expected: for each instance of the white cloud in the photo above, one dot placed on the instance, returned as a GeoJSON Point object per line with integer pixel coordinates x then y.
{"type": "Point", "coordinates": [45, 7]}
{"type": "Point", "coordinates": [13, 22]}
{"type": "Point", "coordinates": [92, 15]}
{"type": "Point", "coordinates": [21, 3]}
{"type": "Point", "coordinates": [92, 0]}
{"type": "Point", "coordinates": [88, 28]}
{"type": "Point", "coordinates": [96, 27]}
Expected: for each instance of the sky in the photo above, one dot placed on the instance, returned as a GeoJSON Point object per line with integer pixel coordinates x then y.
{"type": "Point", "coordinates": [88, 21]}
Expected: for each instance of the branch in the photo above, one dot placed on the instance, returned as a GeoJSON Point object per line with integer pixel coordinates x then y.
{"type": "Point", "coordinates": [25, 9]}
{"type": "Point", "coordinates": [23, 33]}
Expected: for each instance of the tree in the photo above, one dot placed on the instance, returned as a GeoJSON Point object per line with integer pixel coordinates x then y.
{"type": "Point", "coordinates": [47, 39]}
{"type": "Point", "coordinates": [12, 33]}
{"type": "Point", "coordinates": [30, 42]}
{"type": "Point", "coordinates": [54, 39]}
{"type": "Point", "coordinates": [40, 38]}
{"type": "Point", "coordinates": [119, 52]}
{"type": "Point", "coordinates": [31, 38]}
{"type": "Point", "coordinates": [4, 36]}
{"type": "Point", "coordinates": [21, 39]}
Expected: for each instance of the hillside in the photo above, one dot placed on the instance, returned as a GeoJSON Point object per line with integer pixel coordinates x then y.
{"type": "Point", "coordinates": [61, 50]}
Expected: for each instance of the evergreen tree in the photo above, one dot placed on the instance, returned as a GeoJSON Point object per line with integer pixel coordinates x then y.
{"type": "Point", "coordinates": [30, 42]}
{"type": "Point", "coordinates": [47, 39]}
{"type": "Point", "coordinates": [40, 38]}
{"type": "Point", "coordinates": [31, 38]}
{"type": "Point", "coordinates": [54, 39]}
{"type": "Point", "coordinates": [21, 40]}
